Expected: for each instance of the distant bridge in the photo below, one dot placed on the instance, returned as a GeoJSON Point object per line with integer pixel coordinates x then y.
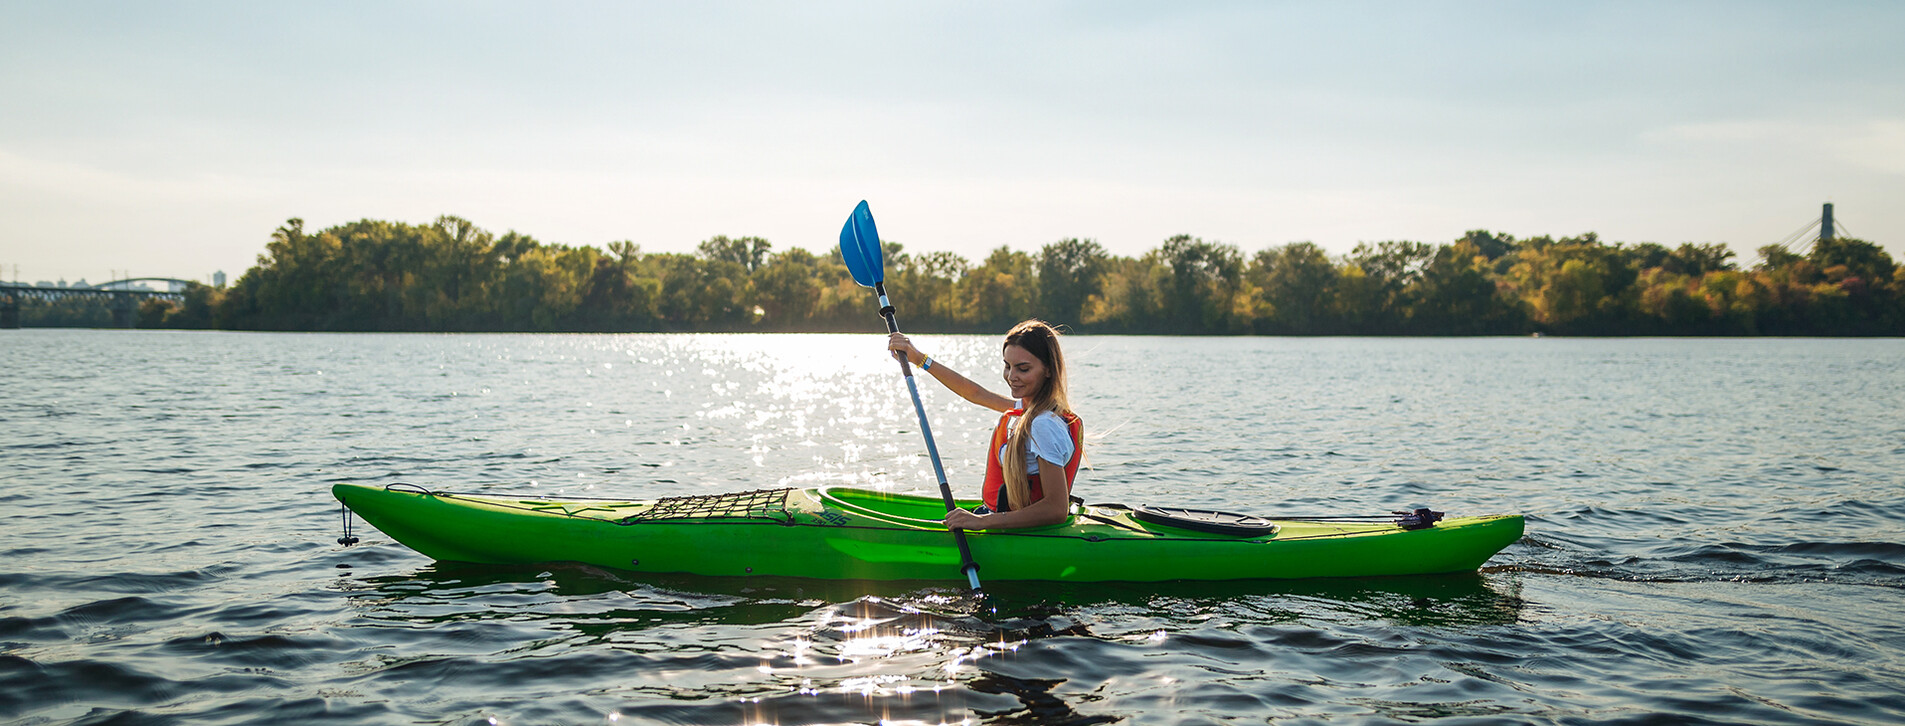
{"type": "Point", "coordinates": [118, 295]}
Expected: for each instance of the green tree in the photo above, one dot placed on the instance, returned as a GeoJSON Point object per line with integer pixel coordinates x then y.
{"type": "Point", "coordinates": [543, 287]}
{"type": "Point", "coordinates": [153, 311]}
{"type": "Point", "coordinates": [999, 292]}
{"type": "Point", "coordinates": [198, 310]}
{"type": "Point", "coordinates": [924, 288]}
{"type": "Point", "coordinates": [1853, 258]}
{"type": "Point", "coordinates": [1198, 283]}
{"type": "Point", "coordinates": [607, 299]}
{"type": "Point", "coordinates": [1455, 295]}
{"type": "Point", "coordinates": [1649, 255]}
{"type": "Point", "coordinates": [748, 252]}
{"type": "Point", "coordinates": [788, 288]}
{"type": "Point", "coordinates": [1696, 260]}
{"type": "Point", "coordinates": [1489, 244]}
{"type": "Point", "coordinates": [618, 296]}
{"type": "Point", "coordinates": [1297, 282]}
{"type": "Point", "coordinates": [936, 278]}
{"type": "Point", "coordinates": [1567, 285]}
{"type": "Point", "coordinates": [458, 267]}
{"type": "Point", "coordinates": [1069, 273]}
{"type": "Point", "coordinates": [1776, 257]}
{"type": "Point", "coordinates": [1379, 282]}
{"type": "Point", "coordinates": [1126, 301]}
{"type": "Point", "coordinates": [1673, 300]}
{"type": "Point", "coordinates": [1872, 299]}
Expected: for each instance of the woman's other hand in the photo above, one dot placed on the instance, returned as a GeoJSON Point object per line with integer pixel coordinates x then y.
{"type": "Point", "coordinates": [962, 519]}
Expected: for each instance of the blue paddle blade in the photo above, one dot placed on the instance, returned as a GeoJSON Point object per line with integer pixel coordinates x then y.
{"type": "Point", "coordinates": [860, 247]}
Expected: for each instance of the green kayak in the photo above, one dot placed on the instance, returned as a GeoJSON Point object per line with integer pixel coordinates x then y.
{"type": "Point", "coordinates": [856, 534]}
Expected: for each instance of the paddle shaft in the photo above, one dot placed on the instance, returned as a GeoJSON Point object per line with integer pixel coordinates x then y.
{"type": "Point", "coordinates": [966, 563]}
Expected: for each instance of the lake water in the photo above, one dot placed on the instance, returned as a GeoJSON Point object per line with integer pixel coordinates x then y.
{"type": "Point", "coordinates": [1716, 532]}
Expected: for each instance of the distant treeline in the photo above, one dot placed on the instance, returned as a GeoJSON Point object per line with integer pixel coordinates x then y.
{"type": "Point", "coordinates": [453, 276]}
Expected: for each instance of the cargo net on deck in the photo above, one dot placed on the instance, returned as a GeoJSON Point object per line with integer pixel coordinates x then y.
{"type": "Point", "coordinates": [769, 504]}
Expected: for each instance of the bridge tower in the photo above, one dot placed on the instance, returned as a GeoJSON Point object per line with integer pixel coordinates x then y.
{"type": "Point", "coordinates": [1825, 223]}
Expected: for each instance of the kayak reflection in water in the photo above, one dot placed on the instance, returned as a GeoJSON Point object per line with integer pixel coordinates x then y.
{"type": "Point", "coordinates": [1038, 442]}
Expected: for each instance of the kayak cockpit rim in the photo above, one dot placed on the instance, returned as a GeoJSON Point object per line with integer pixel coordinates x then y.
{"type": "Point", "coordinates": [932, 510]}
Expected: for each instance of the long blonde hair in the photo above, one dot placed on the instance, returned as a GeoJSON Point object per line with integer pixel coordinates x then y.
{"type": "Point", "coordinates": [1041, 340]}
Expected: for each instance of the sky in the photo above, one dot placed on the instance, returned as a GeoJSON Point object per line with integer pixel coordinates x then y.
{"type": "Point", "coordinates": [170, 139]}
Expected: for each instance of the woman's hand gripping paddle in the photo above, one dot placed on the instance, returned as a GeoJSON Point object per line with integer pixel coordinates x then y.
{"type": "Point", "coordinates": [860, 248]}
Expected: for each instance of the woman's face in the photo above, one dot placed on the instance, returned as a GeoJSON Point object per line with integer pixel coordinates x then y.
{"type": "Point", "coordinates": [1024, 374]}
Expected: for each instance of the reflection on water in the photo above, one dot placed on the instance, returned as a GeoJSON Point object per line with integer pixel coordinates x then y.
{"type": "Point", "coordinates": [1714, 532]}
{"type": "Point", "coordinates": [890, 650]}
{"type": "Point", "coordinates": [512, 592]}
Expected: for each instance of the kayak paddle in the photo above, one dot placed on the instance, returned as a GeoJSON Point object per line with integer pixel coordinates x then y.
{"type": "Point", "coordinates": [860, 248]}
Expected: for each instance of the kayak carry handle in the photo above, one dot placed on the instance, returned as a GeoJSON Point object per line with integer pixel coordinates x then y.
{"type": "Point", "coordinates": [1422, 518]}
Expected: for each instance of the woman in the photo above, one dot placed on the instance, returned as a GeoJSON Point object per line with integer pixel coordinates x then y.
{"type": "Point", "coordinates": [1038, 443]}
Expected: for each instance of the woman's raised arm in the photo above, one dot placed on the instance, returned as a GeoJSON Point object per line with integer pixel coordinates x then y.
{"type": "Point", "coordinates": [948, 377]}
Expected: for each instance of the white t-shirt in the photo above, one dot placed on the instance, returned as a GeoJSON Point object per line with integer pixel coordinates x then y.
{"type": "Point", "coordinates": [1051, 441]}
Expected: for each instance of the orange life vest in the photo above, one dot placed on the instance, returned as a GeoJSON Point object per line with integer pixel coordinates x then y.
{"type": "Point", "coordinates": [995, 473]}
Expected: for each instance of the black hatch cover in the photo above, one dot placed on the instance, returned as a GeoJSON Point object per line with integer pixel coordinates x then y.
{"type": "Point", "coordinates": [1204, 520]}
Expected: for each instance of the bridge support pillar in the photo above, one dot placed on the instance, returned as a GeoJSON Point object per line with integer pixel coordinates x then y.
{"type": "Point", "coordinates": [9, 311]}
{"type": "Point", "coordinates": [125, 311]}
